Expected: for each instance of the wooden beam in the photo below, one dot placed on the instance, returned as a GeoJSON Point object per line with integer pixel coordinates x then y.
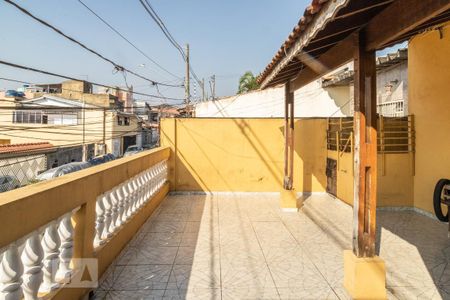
{"type": "Point", "coordinates": [332, 59]}
{"type": "Point", "coordinates": [365, 160]}
{"type": "Point", "coordinates": [399, 18]}
{"type": "Point", "coordinates": [289, 138]}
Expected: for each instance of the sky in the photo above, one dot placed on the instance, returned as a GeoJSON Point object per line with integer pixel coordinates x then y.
{"type": "Point", "coordinates": [226, 38]}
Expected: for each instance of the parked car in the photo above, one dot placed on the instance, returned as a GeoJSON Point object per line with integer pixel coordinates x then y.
{"type": "Point", "coordinates": [132, 150]}
{"type": "Point", "coordinates": [101, 159]}
{"type": "Point", "coordinates": [62, 170]}
{"type": "Point", "coordinates": [8, 183]}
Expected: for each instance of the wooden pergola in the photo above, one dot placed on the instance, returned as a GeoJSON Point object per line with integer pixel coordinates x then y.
{"type": "Point", "coordinates": [330, 34]}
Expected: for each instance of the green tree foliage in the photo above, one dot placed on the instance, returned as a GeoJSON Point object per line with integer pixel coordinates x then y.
{"type": "Point", "coordinates": [247, 83]}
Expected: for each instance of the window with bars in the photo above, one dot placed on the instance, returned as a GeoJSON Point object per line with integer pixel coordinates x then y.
{"type": "Point", "coordinates": [40, 117]}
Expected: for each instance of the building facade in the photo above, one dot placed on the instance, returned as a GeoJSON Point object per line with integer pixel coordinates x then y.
{"type": "Point", "coordinates": [67, 123]}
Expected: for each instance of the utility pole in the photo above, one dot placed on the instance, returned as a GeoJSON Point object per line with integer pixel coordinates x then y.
{"type": "Point", "coordinates": [203, 89]}
{"type": "Point", "coordinates": [188, 82]}
{"type": "Point", "coordinates": [213, 78]}
{"type": "Point", "coordinates": [104, 131]}
{"type": "Point", "coordinates": [84, 155]}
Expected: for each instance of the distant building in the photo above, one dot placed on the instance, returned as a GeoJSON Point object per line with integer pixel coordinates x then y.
{"type": "Point", "coordinates": [392, 83]}
{"type": "Point", "coordinates": [330, 96]}
{"type": "Point", "coordinates": [65, 122]}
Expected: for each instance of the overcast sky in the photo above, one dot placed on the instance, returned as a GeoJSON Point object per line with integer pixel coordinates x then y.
{"type": "Point", "coordinates": [226, 38]}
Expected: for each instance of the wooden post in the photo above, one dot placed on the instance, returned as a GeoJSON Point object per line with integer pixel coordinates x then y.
{"type": "Point", "coordinates": [382, 148]}
{"type": "Point", "coordinates": [365, 161]}
{"type": "Point", "coordinates": [289, 138]}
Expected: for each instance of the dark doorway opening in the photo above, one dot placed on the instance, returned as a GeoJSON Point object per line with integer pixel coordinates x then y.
{"type": "Point", "coordinates": [331, 172]}
{"type": "Point", "coordinates": [128, 141]}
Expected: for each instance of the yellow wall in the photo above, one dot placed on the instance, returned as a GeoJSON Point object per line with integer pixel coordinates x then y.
{"type": "Point", "coordinates": [429, 101]}
{"type": "Point", "coordinates": [395, 187]}
{"type": "Point", "coordinates": [243, 154]}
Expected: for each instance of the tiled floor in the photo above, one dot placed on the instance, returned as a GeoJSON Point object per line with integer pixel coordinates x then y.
{"type": "Point", "coordinates": [241, 246]}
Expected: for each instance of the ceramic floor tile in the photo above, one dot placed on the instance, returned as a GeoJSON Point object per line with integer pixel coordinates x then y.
{"type": "Point", "coordinates": [266, 293]}
{"type": "Point", "coordinates": [190, 255]}
{"type": "Point", "coordinates": [152, 255]}
{"type": "Point", "coordinates": [193, 294]}
{"type": "Point", "coordinates": [136, 295]}
{"type": "Point", "coordinates": [190, 239]}
{"type": "Point", "coordinates": [251, 276]}
{"type": "Point", "coordinates": [323, 293]}
{"type": "Point", "coordinates": [165, 227]}
{"type": "Point", "coordinates": [196, 276]}
{"type": "Point", "coordinates": [161, 239]}
{"type": "Point", "coordinates": [241, 246]}
{"type": "Point", "coordinates": [107, 280]}
{"type": "Point", "coordinates": [143, 277]}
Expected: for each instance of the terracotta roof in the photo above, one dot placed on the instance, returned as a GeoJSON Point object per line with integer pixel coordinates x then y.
{"type": "Point", "coordinates": [308, 15]}
{"type": "Point", "coordinates": [15, 148]}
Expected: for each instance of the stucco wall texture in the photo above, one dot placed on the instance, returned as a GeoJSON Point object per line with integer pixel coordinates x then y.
{"type": "Point", "coordinates": [245, 155]}
{"type": "Point", "coordinates": [429, 101]}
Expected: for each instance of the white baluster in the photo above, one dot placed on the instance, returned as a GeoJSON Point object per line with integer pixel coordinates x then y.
{"type": "Point", "coordinates": [131, 197]}
{"type": "Point", "coordinates": [126, 198]}
{"type": "Point", "coordinates": [120, 206]}
{"type": "Point", "coordinates": [108, 216]}
{"type": "Point", "coordinates": [99, 222]}
{"type": "Point", "coordinates": [158, 177]}
{"type": "Point", "coordinates": [32, 256]}
{"type": "Point", "coordinates": [122, 192]}
{"type": "Point", "coordinates": [10, 274]}
{"type": "Point", "coordinates": [148, 183]}
{"type": "Point", "coordinates": [153, 183]}
{"type": "Point", "coordinates": [65, 232]}
{"type": "Point", "coordinates": [115, 211]}
{"type": "Point", "coordinates": [136, 192]}
{"type": "Point", "coordinates": [140, 183]}
{"type": "Point", "coordinates": [166, 171]}
{"type": "Point", "coordinates": [50, 244]}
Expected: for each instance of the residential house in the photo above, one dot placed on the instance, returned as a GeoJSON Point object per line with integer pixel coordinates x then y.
{"type": "Point", "coordinates": [65, 123]}
{"type": "Point", "coordinates": [330, 96]}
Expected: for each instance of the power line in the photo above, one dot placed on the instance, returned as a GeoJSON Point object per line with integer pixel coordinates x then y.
{"type": "Point", "coordinates": [77, 79]}
{"type": "Point", "coordinates": [127, 40]}
{"type": "Point", "coordinates": [116, 66]}
{"type": "Point", "coordinates": [154, 15]}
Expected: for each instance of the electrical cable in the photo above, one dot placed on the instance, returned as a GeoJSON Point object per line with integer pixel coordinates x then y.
{"type": "Point", "coordinates": [154, 15]}
{"type": "Point", "coordinates": [116, 65]}
{"type": "Point", "coordinates": [77, 79]}
{"type": "Point", "coordinates": [127, 40]}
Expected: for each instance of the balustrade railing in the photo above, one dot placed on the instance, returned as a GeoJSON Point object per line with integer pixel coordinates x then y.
{"type": "Point", "coordinates": [75, 217]}
{"type": "Point", "coordinates": [116, 206]}
{"type": "Point", "coordinates": [38, 263]}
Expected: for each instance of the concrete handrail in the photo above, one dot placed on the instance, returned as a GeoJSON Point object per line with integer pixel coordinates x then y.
{"type": "Point", "coordinates": [57, 219]}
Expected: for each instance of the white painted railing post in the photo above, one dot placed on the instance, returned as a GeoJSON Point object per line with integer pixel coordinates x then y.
{"type": "Point", "coordinates": [65, 232]}
{"type": "Point", "coordinates": [99, 222]}
{"type": "Point", "coordinates": [126, 197]}
{"type": "Point", "coordinates": [32, 257]}
{"type": "Point", "coordinates": [120, 206]}
{"type": "Point", "coordinates": [115, 211]}
{"type": "Point", "coordinates": [50, 244]}
{"type": "Point", "coordinates": [107, 233]}
{"type": "Point", "coordinates": [131, 197]}
{"type": "Point", "coordinates": [11, 270]}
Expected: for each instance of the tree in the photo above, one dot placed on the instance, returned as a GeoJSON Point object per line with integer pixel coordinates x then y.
{"type": "Point", "coordinates": [247, 83]}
